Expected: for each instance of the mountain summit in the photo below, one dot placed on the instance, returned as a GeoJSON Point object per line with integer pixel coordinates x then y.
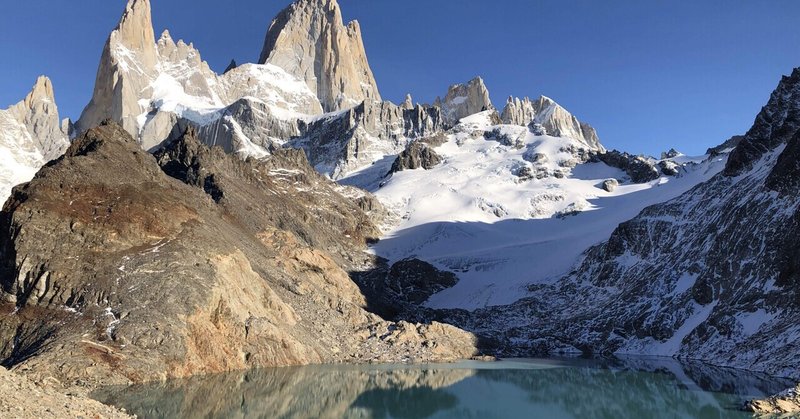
{"type": "Point", "coordinates": [310, 41]}
{"type": "Point", "coordinates": [127, 64]}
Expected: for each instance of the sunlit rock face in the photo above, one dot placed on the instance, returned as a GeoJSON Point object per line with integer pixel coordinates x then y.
{"type": "Point", "coordinates": [310, 41]}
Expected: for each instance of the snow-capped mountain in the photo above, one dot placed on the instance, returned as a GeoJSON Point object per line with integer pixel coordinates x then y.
{"type": "Point", "coordinates": [31, 134]}
{"type": "Point", "coordinates": [533, 161]}
{"type": "Point", "coordinates": [711, 274]}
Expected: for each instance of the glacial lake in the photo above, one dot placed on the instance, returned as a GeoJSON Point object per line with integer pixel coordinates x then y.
{"type": "Point", "coordinates": [517, 388]}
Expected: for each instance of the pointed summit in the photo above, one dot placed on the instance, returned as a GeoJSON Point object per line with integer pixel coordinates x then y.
{"type": "Point", "coordinates": [39, 114]}
{"type": "Point", "coordinates": [129, 60]}
{"type": "Point", "coordinates": [135, 31]}
{"type": "Point", "coordinates": [309, 40]}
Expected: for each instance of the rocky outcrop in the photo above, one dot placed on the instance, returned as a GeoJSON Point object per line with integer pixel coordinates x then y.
{"type": "Point", "coordinates": [30, 136]}
{"type": "Point", "coordinates": [417, 155]}
{"type": "Point", "coordinates": [610, 185]}
{"type": "Point", "coordinates": [639, 168]}
{"type": "Point", "coordinates": [396, 291]}
{"type": "Point", "coordinates": [518, 111]}
{"type": "Point", "coordinates": [463, 100]}
{"type": "Point", "coordinates": [191, 262]}
{"type": "Point", "coordinates": [337, 144]}
{"type": "Point", "coordinates": [310, 41]}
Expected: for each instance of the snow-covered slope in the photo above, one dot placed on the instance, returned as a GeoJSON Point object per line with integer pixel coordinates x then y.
{"type": "Point", "coordinates": [30, 136]}
{"type": "Point", "coordinates": [711, 275]}
{"type": "Point", "coordinates": [507, 208]}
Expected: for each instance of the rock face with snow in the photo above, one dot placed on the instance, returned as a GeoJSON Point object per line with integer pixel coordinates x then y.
{"type": "Point", "coordinates": [310, 41]}
{"type": "Point", "coordinates": [194, 261]}
{"type": "Point", "coordinates": [546, 117]}
{"type": "Point", "coordinates": [30, 136]}
{"type": "Point", "coordinates": [518, 111]}
{"type": "Point", "coordinates": [558, 122]}
{"type": "Point", "coordinates": [339, 143]}
{"type": "Point", "coordinates": [463, 100]}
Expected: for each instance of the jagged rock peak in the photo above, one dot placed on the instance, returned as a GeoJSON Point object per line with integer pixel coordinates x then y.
{"type": "Point", "coordinates": [135, 30]}
{"type": "Point", "coordinates": [128, 61]}
{"type": "Point", "coordinates": [42, 89]}
{"type": "Point", "coordinates": [38, 113]}
{"type": "Point", "coordinates": [465, 99]}
{"type": "Point", "coordinates": [558, 122]}
{"type": "Point", "coordinates": [309, 40]}
{"type": "Point", "coordinates": [518, 111]}
{"type": "Point", "coordinates": [408, 103]}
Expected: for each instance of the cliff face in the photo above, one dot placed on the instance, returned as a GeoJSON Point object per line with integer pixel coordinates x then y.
{"type": "Point", "coordinates": [119, 267]}
{"type": "Point", "coordinates": [310, 41]}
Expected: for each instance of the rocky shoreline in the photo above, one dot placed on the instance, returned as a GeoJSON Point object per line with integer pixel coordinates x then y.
{"type": "Point", "coordinates": [21, 398]}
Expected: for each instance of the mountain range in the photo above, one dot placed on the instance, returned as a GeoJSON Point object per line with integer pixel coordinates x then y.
{"type": "Point", "coordinates": [193, 222]}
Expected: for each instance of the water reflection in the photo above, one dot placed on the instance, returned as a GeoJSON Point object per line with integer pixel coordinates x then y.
{"type": "Point", "coordinates": [632, 388]}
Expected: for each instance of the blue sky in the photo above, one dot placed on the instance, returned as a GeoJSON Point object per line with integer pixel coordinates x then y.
{"type": "Point", "coordinates": [649, 75]}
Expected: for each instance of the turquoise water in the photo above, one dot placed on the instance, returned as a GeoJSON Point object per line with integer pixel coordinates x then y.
{"type": "Point", "coordinates": [631, 388]}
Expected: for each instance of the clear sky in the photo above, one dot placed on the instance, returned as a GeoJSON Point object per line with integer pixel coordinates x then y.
{"type": "Point", "coordinates": [649, 75]}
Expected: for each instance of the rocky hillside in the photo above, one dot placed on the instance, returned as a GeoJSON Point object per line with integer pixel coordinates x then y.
{"type": "Point", "coordinates": [117, 266]}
